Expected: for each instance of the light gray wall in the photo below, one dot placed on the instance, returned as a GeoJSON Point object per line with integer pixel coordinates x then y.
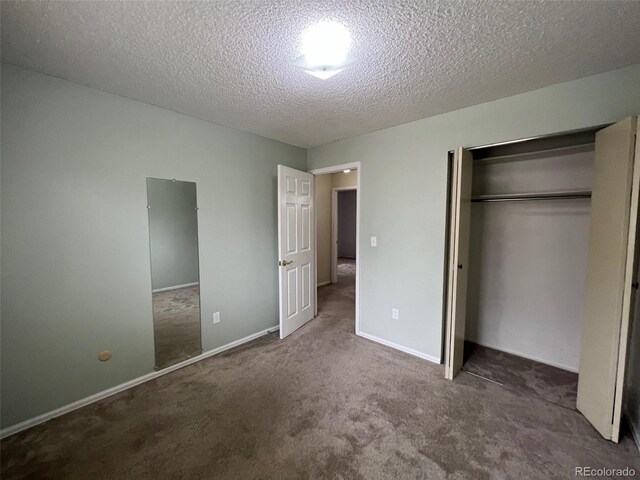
{"type": "Point", "coordinates": [528, 260]}
{"type": "Point", "coordinates": [173, 232]}
{"type": "Point", "coordinates": [404, 183]}
{"type": "Point", "coordinates": [76, 274]}
{"type": "Point", "coordinates": [347, 223]}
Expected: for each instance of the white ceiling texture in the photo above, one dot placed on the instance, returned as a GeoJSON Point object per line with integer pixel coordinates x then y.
{"type": "Point", "coordinates": [230, 62]}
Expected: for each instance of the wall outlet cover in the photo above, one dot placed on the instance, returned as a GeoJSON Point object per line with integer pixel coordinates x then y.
{"type": "Point", "coordinates": [216, 317]}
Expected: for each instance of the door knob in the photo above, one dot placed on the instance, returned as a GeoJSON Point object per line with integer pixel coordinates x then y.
{"type": "Point", "coordinates": [460, 267]}
{"type": "Point", "coordinates": [284, 263]}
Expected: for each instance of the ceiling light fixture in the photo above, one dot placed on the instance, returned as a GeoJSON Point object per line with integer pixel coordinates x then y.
{"type": "Point", "coordinates": [325, 48]}
{"type": "Point", "coordinates": [346, 170]}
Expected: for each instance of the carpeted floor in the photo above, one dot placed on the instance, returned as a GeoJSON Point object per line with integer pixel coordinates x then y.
{"type": "Point", "coordinates": [527, 376]}
{"type": "Point", "coordinates": [322, 403]}
{"type": "Point", "coordinates": [176, 325]}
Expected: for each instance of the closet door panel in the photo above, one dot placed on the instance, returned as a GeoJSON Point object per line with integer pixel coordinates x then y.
{"type": "Point", "coordinates": [460, 216]}
{"type": "Point", "coordinates": [609, 271]}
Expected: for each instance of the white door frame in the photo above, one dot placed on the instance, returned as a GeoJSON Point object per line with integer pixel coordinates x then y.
{"type": "Point", "coordinates": [335, 169]}
{"type": "Point", "coordinates": [334, 230]}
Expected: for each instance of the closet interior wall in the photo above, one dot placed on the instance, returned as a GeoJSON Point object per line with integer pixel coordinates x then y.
{"type": "Point", "coordinates": [528, 259]}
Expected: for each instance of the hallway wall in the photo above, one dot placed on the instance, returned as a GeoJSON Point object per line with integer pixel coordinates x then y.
{"type": "Point", "coordinates": [323, 228]}
{"type": "Point", "coordinates": [341, 179]}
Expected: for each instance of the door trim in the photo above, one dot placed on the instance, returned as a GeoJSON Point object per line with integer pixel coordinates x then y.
{"type": "Point", "coordinates": [335, 169]}
{"type": "Point", "coordinates": [334, 230]}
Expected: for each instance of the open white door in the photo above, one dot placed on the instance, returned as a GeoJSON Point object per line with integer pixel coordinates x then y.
{"type": "Point", "coordinates": [296, 248]}
{"type": "Point", "coordinates": [460, 225]}
{"type": "Point", "coordinates": [612, 263]}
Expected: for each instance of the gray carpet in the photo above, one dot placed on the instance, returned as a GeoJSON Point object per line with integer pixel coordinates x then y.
{"type": "Point", "coordinates": [527, 376]}
{"type": "Point", "coordinates": [176, 325]}
{"type": "Point", "coordinates": [324, 404]}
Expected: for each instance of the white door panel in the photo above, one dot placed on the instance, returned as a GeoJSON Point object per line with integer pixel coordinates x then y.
{"type": "Point", "coordinates": [460, 218]}
{"type": "Point", "coordinates": [610, 274]}
{"type": "Point", "coordinates": [296, 248]}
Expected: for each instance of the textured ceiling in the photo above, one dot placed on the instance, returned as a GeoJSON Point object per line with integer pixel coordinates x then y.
{"type": "Point", "coordinates": [230, 61]}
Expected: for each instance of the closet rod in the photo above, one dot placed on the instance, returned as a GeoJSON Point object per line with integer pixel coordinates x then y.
{"type": "Point", "coordinates": [526, 197]}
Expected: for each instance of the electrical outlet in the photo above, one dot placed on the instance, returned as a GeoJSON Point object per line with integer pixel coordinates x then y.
{"type": "Point", "coordinates": [394, 314]}
{"type": "Point", "coordinates": [216, 317]}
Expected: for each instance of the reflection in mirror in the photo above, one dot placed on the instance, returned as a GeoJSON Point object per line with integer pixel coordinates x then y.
{"type": "Point", "coordinates": [173, 240]}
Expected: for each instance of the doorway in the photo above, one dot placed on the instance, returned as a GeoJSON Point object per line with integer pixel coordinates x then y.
{"type": "Point", "coordinates": [337, 215]}
{"type": "Point", "coordinates": [344, 206]}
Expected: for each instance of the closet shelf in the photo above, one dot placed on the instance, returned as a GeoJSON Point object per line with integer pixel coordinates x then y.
{"type": "Point", "coordinates": [527, 197]}
{"type": "Point", "coordinates": [523, 155]}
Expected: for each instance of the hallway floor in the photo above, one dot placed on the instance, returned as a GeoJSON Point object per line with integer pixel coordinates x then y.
{"type": "Point", "coordinates": [322, 403]}
{"type": "Point", "coordinates": [341, 296]}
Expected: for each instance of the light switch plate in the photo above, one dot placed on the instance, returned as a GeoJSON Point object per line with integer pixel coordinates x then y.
{"type": "Point", "coordinates": [216, 317]}
{"type": "Point", "coordinates": [374, 241]}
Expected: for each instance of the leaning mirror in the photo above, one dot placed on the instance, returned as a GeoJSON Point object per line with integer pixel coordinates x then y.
{"type": "Point", "coordinates": [175, 279]}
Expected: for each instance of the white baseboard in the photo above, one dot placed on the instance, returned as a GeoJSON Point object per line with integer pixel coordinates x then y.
{"type": "Point", "coordinates": [408, 350]}
{"type": "Point", "coordinates": [528, 357]}
{"type": "Point", "coordinates": [5, 432]}
{"type": "Point", "coordinates": [322, 284]}
{"type": "Point", "coordinates": [175, 287]}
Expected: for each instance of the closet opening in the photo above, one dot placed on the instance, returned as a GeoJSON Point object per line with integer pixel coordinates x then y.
{"type": "Point", "coordinates": [542, 267]}
{"type": "Point", "coordinates": [527, 263]}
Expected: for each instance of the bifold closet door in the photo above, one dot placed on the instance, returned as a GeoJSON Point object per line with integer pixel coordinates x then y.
{"type": "Point", "coordinates": [612, 262]}
{"type": "Point", "coordinates": [460, 226]}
